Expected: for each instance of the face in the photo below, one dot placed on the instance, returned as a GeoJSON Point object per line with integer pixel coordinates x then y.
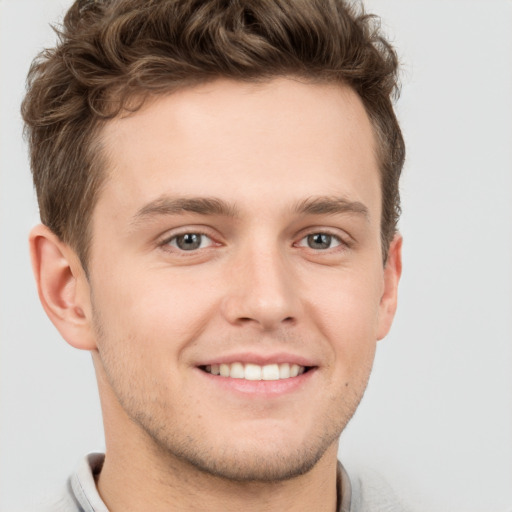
{"type": "Point", "coordinates": [236, 273]}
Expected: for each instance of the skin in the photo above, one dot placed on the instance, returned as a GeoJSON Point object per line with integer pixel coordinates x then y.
{"type": "Point", "coordinates": [285, 160]}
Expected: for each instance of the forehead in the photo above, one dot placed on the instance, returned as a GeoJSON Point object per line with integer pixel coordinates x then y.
{"type": "Point", "coordinates": [243, 142]}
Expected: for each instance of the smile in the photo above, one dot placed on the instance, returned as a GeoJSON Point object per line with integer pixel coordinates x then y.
{"type": "Point", "coordinates": [249, 371]}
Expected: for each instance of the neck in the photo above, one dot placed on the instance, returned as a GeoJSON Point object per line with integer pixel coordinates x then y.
{"type": "Point", "coordinates": [137, 481]}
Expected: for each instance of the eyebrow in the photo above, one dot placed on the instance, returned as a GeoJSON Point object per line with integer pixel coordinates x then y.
{"type": "Point", "coordinates": [168, 205]}
{"type": "Point", "coordinates": [331, 205]}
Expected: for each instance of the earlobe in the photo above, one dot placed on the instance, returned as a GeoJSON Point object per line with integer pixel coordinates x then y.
{"type": "Point", "coordinates": [62, 286]}
{"type": "Point", "coordinates": [392, 273]}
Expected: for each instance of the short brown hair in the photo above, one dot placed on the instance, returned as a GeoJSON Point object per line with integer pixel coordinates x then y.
{"type": "Point", "coordinates": [111, 52]}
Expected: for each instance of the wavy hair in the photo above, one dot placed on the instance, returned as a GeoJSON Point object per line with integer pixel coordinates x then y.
{"type": "Point", "coordinates": [112, 54]}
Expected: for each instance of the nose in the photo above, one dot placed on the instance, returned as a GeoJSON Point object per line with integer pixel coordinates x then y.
{"type": "Point", "coordinates": [262, 290]}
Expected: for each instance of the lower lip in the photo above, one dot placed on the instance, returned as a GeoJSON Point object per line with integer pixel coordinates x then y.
{"type": "Point", "coordinates": [263, 388]}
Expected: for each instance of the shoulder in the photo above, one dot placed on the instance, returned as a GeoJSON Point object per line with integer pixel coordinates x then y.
{"type": "Point", "coordinates": [372, 493]}
{"type": "Point", "coordinates": [80, 493]}
{"type": "Point", "coordinates": [63, 501]}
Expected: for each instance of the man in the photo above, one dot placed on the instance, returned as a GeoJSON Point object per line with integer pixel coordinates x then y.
{"type": "Point", "coordinates": [218, 187]}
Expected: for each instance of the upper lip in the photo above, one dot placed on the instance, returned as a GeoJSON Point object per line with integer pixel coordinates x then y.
{"type": "Point", "coordinates": [260, 359]}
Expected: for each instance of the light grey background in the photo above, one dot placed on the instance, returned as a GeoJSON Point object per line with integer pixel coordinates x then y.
{"type": "Point", "coordinates": [437, 417]}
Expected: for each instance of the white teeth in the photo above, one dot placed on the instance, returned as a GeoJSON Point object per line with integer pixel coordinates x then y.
{"type": "Point", "coordinates": [270, 372]}
{"type": "Point", "coordinates": [284, 371]}
{"type": "Point", "coordinates": [251, 371]}
{"type": "Point", "coordinates": [237, 371]}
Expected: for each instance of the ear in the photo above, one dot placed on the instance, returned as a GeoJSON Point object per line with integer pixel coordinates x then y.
{"type": "Point", "coordinates": [392, 273]}
{"type": "Point", "coordinates": [63, 287]}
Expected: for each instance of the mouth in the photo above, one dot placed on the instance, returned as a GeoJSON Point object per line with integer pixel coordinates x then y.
{"type": "Point", "coordinates": [255, 372]}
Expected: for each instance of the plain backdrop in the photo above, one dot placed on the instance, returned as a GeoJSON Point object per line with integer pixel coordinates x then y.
{"type": "Point", "coordinates": [437, 417]}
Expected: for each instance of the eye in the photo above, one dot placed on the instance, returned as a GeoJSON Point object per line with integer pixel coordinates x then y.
{"type": "Point", "coordinates": [320, 241]}
{"type": "Point", "coordinates": [190, 241]}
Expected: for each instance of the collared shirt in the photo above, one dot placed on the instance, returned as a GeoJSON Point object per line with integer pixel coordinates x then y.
{"type": "Point", "coordinates": [81, 494]}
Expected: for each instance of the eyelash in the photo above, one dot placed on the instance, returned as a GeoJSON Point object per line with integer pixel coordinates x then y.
{"type": "Point", "coordinates": [340, 243]}
{"type": "Point", "coordinates": [168, 242]}
{"type": "Point", "coordinates": [172, 241]}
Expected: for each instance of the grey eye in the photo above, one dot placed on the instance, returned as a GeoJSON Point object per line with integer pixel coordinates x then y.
{"type": "Point", "coordinates": [190, 241]}
{"type": "Point", "coordinates": [320, 241]}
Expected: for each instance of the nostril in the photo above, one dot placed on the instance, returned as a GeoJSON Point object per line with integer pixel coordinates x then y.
{"type": "Point", "coordinates": [246, 319]}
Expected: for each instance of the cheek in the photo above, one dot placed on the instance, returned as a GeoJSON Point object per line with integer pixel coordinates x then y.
{"type": "Point", "coordinates": [151, 308]}
{"type": "Point", "coordinates": [346, 309]}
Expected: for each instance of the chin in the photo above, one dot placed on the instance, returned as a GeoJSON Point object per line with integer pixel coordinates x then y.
{"type": "Point", "coordinates": [255, 466]}
{"type": "Point", "coordinates": [248, 456]}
